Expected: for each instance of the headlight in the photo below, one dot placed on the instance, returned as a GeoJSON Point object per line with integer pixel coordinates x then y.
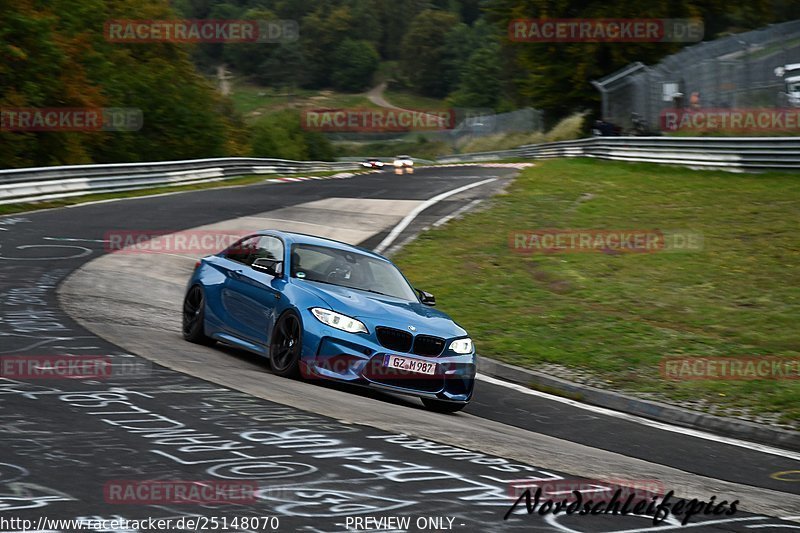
{"type": "Point", "coordinates": [339, 321]}
{"type": "Point", "coordinates": [462, 346]}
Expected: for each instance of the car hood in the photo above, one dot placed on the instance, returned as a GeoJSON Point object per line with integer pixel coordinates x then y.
{"type": "Point", "coordinates": [385, 310]}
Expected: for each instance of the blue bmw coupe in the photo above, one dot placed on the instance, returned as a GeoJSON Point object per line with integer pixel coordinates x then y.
{"type": "Point", "coordinates": [319, 308]}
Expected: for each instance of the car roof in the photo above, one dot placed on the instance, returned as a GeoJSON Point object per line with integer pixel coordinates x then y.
{"type": "Point", "coordinates": [291, 237]}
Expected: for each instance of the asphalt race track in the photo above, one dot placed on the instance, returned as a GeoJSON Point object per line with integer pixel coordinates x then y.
{"type": "Point", "coordinates": [321, 454]}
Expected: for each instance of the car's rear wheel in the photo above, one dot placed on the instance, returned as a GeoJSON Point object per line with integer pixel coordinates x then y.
{"type": "Point", "coordinates": [194, 316]}
{"type": "Point", "coordinates": [440, 406]}
{"type": "Point", "coordinates": [286, 345]}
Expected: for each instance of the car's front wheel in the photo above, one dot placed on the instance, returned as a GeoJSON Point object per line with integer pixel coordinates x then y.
{"type": "Point", "coordinates": [440, 406]}
{"type": "Point", "coordinates": [286, 345]}
{"type": "Point", "coordinates": [194, 316]}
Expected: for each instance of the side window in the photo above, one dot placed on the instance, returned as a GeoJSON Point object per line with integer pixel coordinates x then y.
{"type": "Point", "coordinates": [268, 248]}
{"type": "Point", "coordinates": [243, 250]}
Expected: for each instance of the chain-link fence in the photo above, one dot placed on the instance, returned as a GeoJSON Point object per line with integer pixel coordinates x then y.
{"type": "Point", "coordinates": [737, 71]}
{"type": "Point", "coordinates": [480, 123]}
{"type": "Point", "coordinates": [467, 123]}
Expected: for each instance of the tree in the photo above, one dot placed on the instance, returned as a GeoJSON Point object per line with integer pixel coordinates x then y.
{"type": "Point", "coordinates": [424, 52]}
{"type": "Point", "coordinates": [281, 135]}
{"type": "Point", "coordinates": [481, 80]}
{"type": "Point", "coordinates": [556, 77]}
{"type": "Point", "coordinates": [55, 57]}
{"type": "Point", "coordinates": [285, 66]}
{"type": "Point", "coordinates": [355, 63]}
{"type": "Point", "coordinates": [247, 58]}
{"type": "Point", "coordinates": [321, 33]}
{"type": "Point", "coordinates": [395, 17]}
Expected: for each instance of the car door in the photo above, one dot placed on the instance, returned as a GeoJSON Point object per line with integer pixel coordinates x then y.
{"type": "Point", "coordinates": [232, 264]}
{"type": "Point", "coordinates": [250, 297]}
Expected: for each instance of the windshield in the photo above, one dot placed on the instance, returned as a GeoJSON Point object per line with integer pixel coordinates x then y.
{"type": "Point", "coordinates": [349, 269]}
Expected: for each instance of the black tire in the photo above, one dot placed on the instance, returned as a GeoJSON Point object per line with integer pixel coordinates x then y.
{"type": "Point", "coordinates": [441, 406]}
{"type": "Point", "coordinates": [286, 345]}
{"type": "Point", "coordinates": [194, 316]}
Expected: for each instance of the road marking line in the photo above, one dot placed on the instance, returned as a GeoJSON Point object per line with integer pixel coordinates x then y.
{"type": "Point", "coordinates": [84, 253]}
{"type": "Point", "coordinates": [69, 239]}
{"type": "Point", "coordinates": [460, 211]}
{"type": "Point", "coordinates": [644, 421]}
{"type": "Point", "coordinates": [670, 527]}
{"type": "Point", "coordinates": [398, 229]}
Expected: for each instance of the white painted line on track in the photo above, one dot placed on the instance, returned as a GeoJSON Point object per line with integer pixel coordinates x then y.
{"type": "Point", "coordinates": [461, 210]}
{"type": "Point", "coordinates": [385, 243]}
{"type": "Point", "coordinates": [70, 239]}
{"type": "Point", "coordinates": [644, 421]}
{"type": "Point", "coordinates": [674, 527]}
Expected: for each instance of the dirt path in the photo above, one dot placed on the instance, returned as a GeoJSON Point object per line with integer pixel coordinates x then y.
{"type": "Point", "coordinates": [375, 96]}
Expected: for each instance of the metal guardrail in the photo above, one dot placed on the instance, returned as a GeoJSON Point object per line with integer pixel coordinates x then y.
{"type": "Point", "coordinates": [736, 154]}
{"type": "Point", "coordinates": [386, 159]}
{"type": "Point", "coordinates": [50, 183]}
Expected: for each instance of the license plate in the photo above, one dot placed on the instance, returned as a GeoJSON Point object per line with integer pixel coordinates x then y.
{"type": "Point", "coordinates": [410, 365]}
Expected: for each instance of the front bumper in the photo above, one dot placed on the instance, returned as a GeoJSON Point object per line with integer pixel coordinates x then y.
{"type": "Point", "coordinates": [359, 360]}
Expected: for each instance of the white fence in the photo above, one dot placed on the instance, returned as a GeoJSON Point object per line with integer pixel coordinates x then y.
{"type": "Point", "coordinates": [50, 183]}
{"type": "Point", "coordinates": [736, 154]}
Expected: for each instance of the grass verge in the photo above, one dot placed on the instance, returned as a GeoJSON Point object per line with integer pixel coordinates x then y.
{"type": "Point", "coordinates": [571, 127]}
{"type": "Point", "coordinates": [617, 316]}
{"type": "Point", "coordinates": [409, 100]}
{"type": "Point", "coordinates": [254, 101]}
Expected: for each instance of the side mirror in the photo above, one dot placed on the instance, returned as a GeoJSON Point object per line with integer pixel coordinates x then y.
{"type": "Point", "coordinates": [427, 298]}
{"type": "Point", "coordinates": [273, 267]}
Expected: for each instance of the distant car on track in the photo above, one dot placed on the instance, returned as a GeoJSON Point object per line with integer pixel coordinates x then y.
{"type": "Point", "coordinates": [325, 309]}
{"type": "Point", "coordinates": [403, 163]}
{"type": "Point", "coordinates": [372, 163]}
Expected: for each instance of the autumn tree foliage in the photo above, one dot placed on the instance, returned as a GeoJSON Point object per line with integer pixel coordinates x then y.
{"type": "Point", "coordinates": [54, 54]}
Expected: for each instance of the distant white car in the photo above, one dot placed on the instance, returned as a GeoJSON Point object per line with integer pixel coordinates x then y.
{"type": "Point", "coordinates": [403, 161]}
